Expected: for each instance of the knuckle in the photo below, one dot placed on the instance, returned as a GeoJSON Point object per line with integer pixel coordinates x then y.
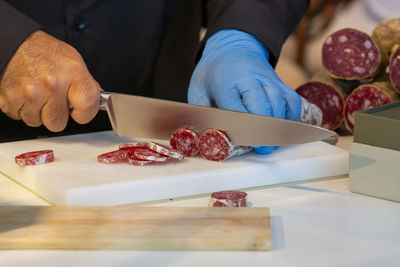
{"type": "Point", "coordinates": [30, 92]}
{"type": "Point", "coordinates": [50, 82]}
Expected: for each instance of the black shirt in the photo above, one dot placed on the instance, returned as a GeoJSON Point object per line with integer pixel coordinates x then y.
{"type": "Point", "coordinates": [141, 47]}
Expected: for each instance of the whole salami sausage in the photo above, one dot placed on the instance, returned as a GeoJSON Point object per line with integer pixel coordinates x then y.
{"type": "Point", "coordinates": [215, 145]}
{"type": "Point", "coordinates": [387, 34]}
{"type": "Point", "coordinates": [394, 67]}
{"type": "Point", "coordinates": [352, 55]}
{"type": "Point", "coordinates": [228, 198]}
{"type": "Point", "coordinates": [310, 113]}
{"type": "Point", "coordinates": [368, 96]}
{"type": "Point", "coordinates": [322, 91]}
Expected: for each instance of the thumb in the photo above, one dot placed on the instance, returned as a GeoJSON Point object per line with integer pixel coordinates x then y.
{"type": "Point", "coordinates": [84, 97]}
{"type": "Point", "coordinates": [198, 95]}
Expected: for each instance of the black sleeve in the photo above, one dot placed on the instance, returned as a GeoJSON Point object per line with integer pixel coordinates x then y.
{"type": "Point", "coordinates": [15, 27]}
{"type": "Point", "coordinates": [270, 21]}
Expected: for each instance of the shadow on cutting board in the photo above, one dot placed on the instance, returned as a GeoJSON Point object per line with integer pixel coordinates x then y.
{"type": "Point", "coordinates": [277, 233]}
{"type": "Point", "coordinates": [27, 216]}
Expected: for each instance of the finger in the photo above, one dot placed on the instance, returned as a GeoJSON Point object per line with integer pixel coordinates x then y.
{"type": "Point", "coordinates": [84, 96]}
{"type": "Point", "coordinates": [256, 101]}
{"type": "Point", "coordinates": [55, 113]}
{"type": "Point", "coordinates": [276, 99]}
{"type": "Point", "coordinates": [197, 96]}
{"type": "Point", "coordinates": [254, 97]}
{"type": "Point", "coordinates": [230, 99]}
{"type": "Point", "coordinates": [2, 103]}
{"type": "Point", "coordinates": [30, 112]}
{"type": "Point", "coordinates": [293, 110]}
{"type": "Point", "coordinates": [12, 109]}
{"type": "Point", "coordinates": [263, 150]}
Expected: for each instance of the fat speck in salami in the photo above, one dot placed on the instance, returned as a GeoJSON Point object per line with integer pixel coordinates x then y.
{"type": "Point", "coordinates": [35, 157]}
{"type": "Point", "coordinates": [228, 198]}
{"type": "Point", "coordinates": [352, 55]}
{"type": "Point", "coordinates": [215, 145]}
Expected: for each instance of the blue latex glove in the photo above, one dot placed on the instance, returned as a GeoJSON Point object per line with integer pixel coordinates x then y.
{"type": "Point", "coordinates": [234, 73]}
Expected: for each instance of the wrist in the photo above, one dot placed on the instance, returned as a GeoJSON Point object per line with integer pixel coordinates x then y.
{"type": "Point", "coordinates": [228, 40]}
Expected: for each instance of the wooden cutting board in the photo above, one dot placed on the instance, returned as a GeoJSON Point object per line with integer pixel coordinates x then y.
{"type": "Point", "coordinates": [136, 228]}
{"type": "Point", "coordinates": [76, 178]}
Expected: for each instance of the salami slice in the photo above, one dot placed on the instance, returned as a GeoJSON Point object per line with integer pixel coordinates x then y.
{"type": "Point", "coordinates": [133, 160]}
{"type": "Point", "coordinates": [352, 55]}
{"type": "Point", "coordinates": [35, 157]}
{"type": "Point", "coordinates": [228, 198]}
{"type": "Point", "coordinates": [113, 156]}
{"type": "Point", "coordinates": [215, 145]}
{"type": "Point", "coordinates": [167, 151]}
{"type": "Point", "coordinates": [330, 98]}
{"type": "Point", "coordinates": [394, 68]}
{"type": "Point", "coordinates": [185, 140]}
{"type": "Point", "coordinates": [133, 145]}
{"type": "Point", "coordinates": [387, 34]}
{"type": "Point", "coordinates": [149, 154]}
{"type": "Point", "coordinates": [367, 96]}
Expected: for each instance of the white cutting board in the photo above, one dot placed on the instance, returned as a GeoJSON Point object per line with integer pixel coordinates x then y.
{"type": "Point", "coordinates": [76, 178]}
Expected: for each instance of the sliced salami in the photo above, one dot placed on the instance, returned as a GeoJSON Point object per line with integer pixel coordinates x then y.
{"type": "Point", "coordinates": [367, 96]}
{"type": "Point", "coordinates": [133, 145]}
{"type": "Point", "coordinates": [185, 140]}
{"type": "Point", "coordinates": [330, 98]}
{"type": "Point", "coordinates": [35, 157]}
{"type": "Point", "coordinates": [113, 156]}
{"type": "Point", "coordinates": [394, 68]}
{"type": "Point", "coordinates": [352, 55]}
{"type": "Point", "coordinates": [167, 151]}
{"type": "Point", "coordinates": [228, 198]}
{"type": "Point", "coordinates": [149, 154]}
{"type": "Point", "coordinates": [215, 145]}
{"type": "Point", "coordinates": [133, 160]}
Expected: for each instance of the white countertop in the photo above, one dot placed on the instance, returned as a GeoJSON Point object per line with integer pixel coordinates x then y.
{"type": "Point", "coordinates": [314, 223]}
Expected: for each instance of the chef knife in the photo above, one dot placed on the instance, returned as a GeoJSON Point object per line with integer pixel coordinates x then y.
{"type": "Point", "coordinates": [143, 117]}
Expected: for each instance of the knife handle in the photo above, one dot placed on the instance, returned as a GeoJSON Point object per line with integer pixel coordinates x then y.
{"type": "Point", "coordinates": [104, 95]}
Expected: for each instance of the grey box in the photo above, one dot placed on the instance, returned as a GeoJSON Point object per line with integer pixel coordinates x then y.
{"type": "Point", "coordinates": [375, 153]}
{"type": "Point", "coordinates": [375, 171]}
{"type": "Point", "coordinates": [379, 126]}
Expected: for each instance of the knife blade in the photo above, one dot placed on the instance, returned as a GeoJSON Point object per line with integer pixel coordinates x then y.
{"type": "Point", "coordinates": [143, 117]}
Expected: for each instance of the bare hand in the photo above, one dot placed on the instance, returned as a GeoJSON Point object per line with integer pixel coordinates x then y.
{"type": "Point", "coordinates": [41, 78]}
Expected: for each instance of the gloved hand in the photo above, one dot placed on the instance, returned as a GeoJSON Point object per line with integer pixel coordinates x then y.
{"type": "Point", "coordinates": [234, 73]}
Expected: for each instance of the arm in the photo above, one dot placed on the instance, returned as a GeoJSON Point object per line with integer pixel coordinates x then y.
{"type": "Point", "coordinates": [15, 27]}
{"type": "Point", "coordinates": [235, 70]}
{"type": "Point", "coordinates": [270, 21]}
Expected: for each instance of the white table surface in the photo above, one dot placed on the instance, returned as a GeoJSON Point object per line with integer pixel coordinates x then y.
{"type": "Point", "coordinates": [314, 223]}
